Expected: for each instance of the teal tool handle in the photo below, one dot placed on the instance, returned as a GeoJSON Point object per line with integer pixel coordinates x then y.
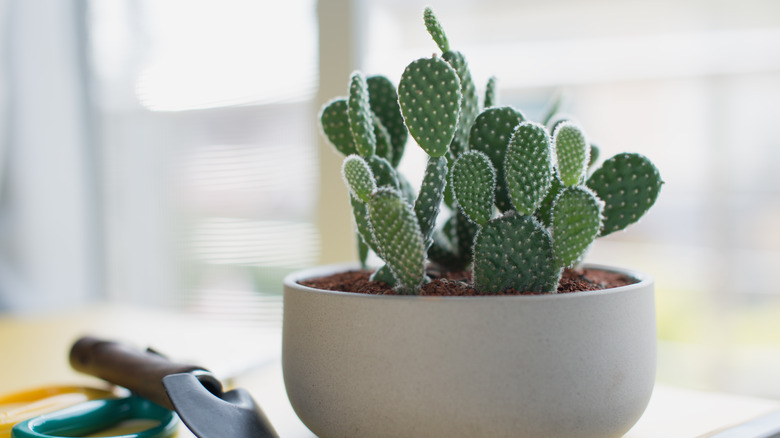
{"type": "Point", "coordinates": [96, 415]}
{"type": "Point", "coordinates": [139, 371]}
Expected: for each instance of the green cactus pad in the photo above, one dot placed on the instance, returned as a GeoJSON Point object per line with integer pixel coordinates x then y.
{"type": "Point", "coordinates": [335, 124]}
{"type": "Point", "coordinates": [363, 251]}
{"type": "Point", "coordinates": [491, 93]}
{"type": "Point", "coordinates": [384, 274]}
{"type": "Point", "coordinates": [463, 234]}
{"type": "Point", "coordinates": [435, 29]}
{"type": "Point", "coordinates": [514, 252]}
{"type": "Point", "coordinates": [469, 107]}
{"type": "Point", "coordinates": [629, 185]}
{"type": "Point", "coordinates": [594, 155]}
{"type": "Point", "coordinates": [544, 212]}
{"type": "Point", "coordinates": [490, 134]}
{"type": "Point", "coordinates": [576, 223]}
{"type": "Point", "coordinates": [362, 223]}
{"type": "Point", "coordinates": [528, 167]}
{"type": "Point", "coordinates": [456, 241]}
{"type": "Point", "coordinates": [398, 236]}
{"type": "Point", "coordinates": [553, 124]}
{"type": "Point", "coordinates": [429, 93]}
{"type": "Point", "coordinates": [384, 173]}
{"type": "Point", "coordinates": [431, 193]}
{"type": "Point", "coordinates": [359, 177]}
{"type": "Point", "coordinates": [360, 117]}
{"type": "Point", "coordinates": [384, 148]}
{"type": "Point", "coordinates": [572, 153]}
{"type": "Point", "coordinates": [383, 97]}
{"type": "Point", "coordinates": [442, 253]}
{"type": "Point", "coordinates": [474, 182]}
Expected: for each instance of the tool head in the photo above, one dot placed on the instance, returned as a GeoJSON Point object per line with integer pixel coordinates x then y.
{"type": "Point", "coordinates": [197, 406]}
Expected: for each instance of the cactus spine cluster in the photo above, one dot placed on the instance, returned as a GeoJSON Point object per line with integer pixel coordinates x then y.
{"type": "Point", "coordinates": [524, 202]}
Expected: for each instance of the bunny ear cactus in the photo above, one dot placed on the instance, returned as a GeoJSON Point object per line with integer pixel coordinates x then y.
{"type": "Point", "coordinates": [572, 152]}
{"type": "Point", "coordinates": [490, 134]}
{"type": "Point", "coordinates": [335, 124]}
{"type": "Point", "coordinates": [371, 127]}
{"type": "Point", "coordinates": [399, 238]}
{"type": "Point", "coordinates": [428, 202]}
{"type": "Point", "coordinates": [528, 167]}
{"type": "Point", "coordinates": [491, 93]}
{"type": "Point", "coordinates": [360, 116]}
{"type": "Point", "coordinates": [629, 184]}
{"type": "Point", "coordinates": [576, 219]}
{"type": "Point", "coordinates": [514, 252]}
{"type": "Point", "coordinates": [383, 98]}
{"type": "Point", "coordinates": [359, 177]}
{"type": "Point", "coordinates": [474, 181]}
{"type": "Point", "coordinates": [429, 94]}
{"type": "Point", "coordinates": [435, 30]}
{"type": "Point", "coordinates": [469, 103]}
{"type": "Point", "coordinates": [525, 203]}
{"type": "Point", "coordinates": [552, 215]}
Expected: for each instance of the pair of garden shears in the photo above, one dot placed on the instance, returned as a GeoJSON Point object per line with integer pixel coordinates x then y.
{"type": "Point", "coordinates": [82, 411]}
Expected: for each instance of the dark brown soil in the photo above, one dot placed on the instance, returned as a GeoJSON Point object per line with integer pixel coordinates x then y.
{"type": "Point", "coordinates": [451, 284]}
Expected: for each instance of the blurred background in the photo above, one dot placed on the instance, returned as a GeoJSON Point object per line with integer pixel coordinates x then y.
{"type": "Point", "coordinates": [166, 153]}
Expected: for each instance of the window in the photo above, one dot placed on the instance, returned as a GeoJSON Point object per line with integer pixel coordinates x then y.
{"type": "Point", "coordinates": [208, 146]}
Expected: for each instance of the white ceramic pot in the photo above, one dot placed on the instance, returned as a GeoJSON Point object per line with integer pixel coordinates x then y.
{"type": "Point", "coordinates": [563, 365]}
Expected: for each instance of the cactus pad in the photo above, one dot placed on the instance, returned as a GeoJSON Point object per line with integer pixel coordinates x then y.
{"type": "Point", "coordinates": [463, 235]}
{"type": "Point", "coordinates": [359, 177]}
{"type": "Point", "coordinates": [544, 212]}
{"type": "Point", "coordinates": [528, 167]}
{"type": "Point", "coordinates": [431, 193]}
{"type": "Point", "coordinates": [435, 29]}
{"type": "Point", "coordinates": [362, 223]}
{"type": "Point", "coordinates": [576, 223]}
{"type": "Point", "coordinates": [398, 236]}
{"type": "Point", "coordinates": [490, 134]}
{"type": "Point", "coordinates": [335, 124]}
{"type": "Point", "coordinates": [469, 107]}
{"type": "Point", "coordinates": [384, 148]}
{"type": "Point", "coordinates": [594, 155]}
{"type": "Point", "coordinates": [514, 252]}
{"type": "Point", "coordinates": [572, 151]}
{"type": "Point", "coordinates": [429, 93]}
{"type": "Point", "coordinates": [491, 93]}
{"type": "Point", "coordinates": [629, 185]}
{"type": "Point", "coordinates": [360, 117]}
{"type": "Point", "coordinates": [363, 251]}
{"type": "Point", "coordinates": [383, 97]}
{"type": "Point", "coordinates": [384, 274]}
{"type": "Point", "coordinates": [384, 173]}
{"type": "Point", "coordinates": [442, 253]}
{"type": "Point", "coordinates": [474, 182]}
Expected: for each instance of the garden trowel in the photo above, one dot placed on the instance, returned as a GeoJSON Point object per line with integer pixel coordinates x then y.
{"type": "Point", "coordinates": [192, 391]}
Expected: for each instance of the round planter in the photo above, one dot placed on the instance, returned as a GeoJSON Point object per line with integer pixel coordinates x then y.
{"type": "Point", "coordinates": [561, 365]}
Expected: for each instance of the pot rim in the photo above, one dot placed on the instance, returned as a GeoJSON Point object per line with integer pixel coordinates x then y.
{"type": "Point", "coordinates": [291, 281]}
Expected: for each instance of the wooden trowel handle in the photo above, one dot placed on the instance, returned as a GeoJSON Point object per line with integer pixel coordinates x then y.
{"type": "Point", "coordinates": [139, 371]}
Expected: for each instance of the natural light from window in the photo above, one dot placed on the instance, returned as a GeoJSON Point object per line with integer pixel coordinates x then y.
{"type": "Point", "coordinates": [268, 59]}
